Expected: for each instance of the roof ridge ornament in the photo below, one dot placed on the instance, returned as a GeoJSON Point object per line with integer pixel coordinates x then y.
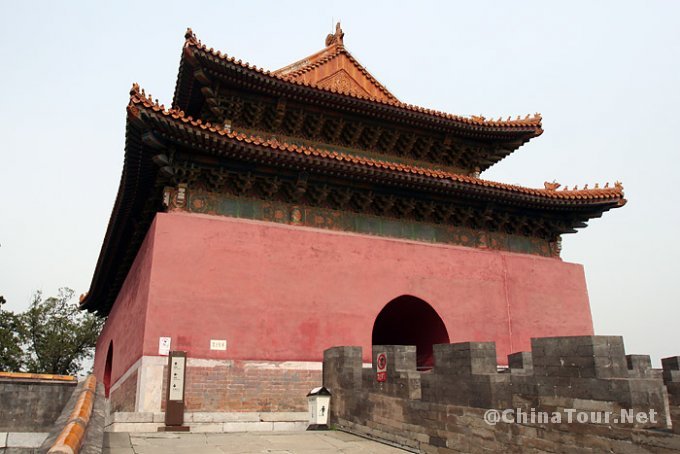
{"type": "Point", "coordinates": [335, 38]}
{"type": "Point", "coordinates": [135, 89]}
{"type": "Point", "coordinates": [618, 187]}
{"type": "Point", "coordinates": [551, 186]}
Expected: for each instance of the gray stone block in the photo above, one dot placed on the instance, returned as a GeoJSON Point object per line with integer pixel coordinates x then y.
{"type": "Point", "coordinates": [342, 368]}
{"type": "Point", "coordinates": [671, 376]}
{"type": "Point", "coordinates": [248, 426]}
{"type": "Point", "coordinates": [612, 366]}
{"type": "Point", "coordinates": [671, 369]}
{"type": "Point", "coordinates": [671, 363]}
{"type": "Point", "coordinates": [25, 439]}
{"type": "Point", "coordinates": [674, 392]}
{"type": "Point", "coordinates": [580, 356]}
{"type": "Point", "coordinates": [131, 417]}
{"type": "Point", "coordinates": [521, 363]}
{"type": "Point", "coordinates": [400, 358]}
{"type": "Point", "coordinates": [639, 365]}
{"type": "Point", "coordinates": [285, 416]}
{"type": "Point", "coordinates": [577, 346]}
{"type": "Point", "coordinates": [465, 358]}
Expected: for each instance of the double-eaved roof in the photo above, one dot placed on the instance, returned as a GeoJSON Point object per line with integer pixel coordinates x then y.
{"type": "Point", "coordinates": [218, 140]}
{"type": "Point", "coordinates": [332, 82]}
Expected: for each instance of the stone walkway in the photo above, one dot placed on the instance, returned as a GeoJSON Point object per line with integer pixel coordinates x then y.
{"type": "Point", "coordinates": [251, 442]}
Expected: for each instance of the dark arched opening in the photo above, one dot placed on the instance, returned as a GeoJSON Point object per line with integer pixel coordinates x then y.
{"type": "Point", "coordinates": [408, 320]}
{"type": "Point", "coordinates": [107, 370]}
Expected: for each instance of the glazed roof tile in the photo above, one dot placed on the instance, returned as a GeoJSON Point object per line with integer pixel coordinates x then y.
{"type": "Point", "coordinates": [533, 122]}
{"type": "Point", "coordinates": [334, 48]}
{"type": "Point", "coordinates": [139, 98]}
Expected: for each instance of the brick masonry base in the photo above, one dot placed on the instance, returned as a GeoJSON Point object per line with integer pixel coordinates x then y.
{"type": "Point", "coordinates": [247, 386]}
{"type": "Point", "coordinates": [220, 395]}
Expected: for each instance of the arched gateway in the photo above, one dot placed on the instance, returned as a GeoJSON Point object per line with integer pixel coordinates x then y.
{"type": "Point", "coordinates": [408, 320]}
{"type": "Point", "coordinates": [107, 370]}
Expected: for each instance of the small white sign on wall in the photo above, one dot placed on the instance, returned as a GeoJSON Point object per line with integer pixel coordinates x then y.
{"type": "Point", "coordinates": [218, 344]}
{"type": "Point", "coordinates": [164, 346]}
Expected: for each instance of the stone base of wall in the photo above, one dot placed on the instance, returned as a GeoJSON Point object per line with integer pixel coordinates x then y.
{"type": "Point", "coordinates": [213, 421]}
{"type": "Point", "coordinates": [440, 428]}
{"type": "Point", "coordinates": [220, 386]}
{"type": "Point", "coordinates": [123, 394]}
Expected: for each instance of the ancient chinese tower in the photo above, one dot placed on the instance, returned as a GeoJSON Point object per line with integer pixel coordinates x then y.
{"type": "Point", "coordinates": [266, 216]}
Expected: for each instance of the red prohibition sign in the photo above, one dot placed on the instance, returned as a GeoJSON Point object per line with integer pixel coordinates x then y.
{"type": "Point", "coordinates": [382, 361]}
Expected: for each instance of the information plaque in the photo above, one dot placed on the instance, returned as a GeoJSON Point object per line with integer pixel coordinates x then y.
{"type": "Point", "coordinates": [174, 396]}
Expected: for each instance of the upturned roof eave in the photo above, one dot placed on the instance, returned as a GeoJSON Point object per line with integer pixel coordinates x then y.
{"type": "Point", "coordinates": [180, 117]}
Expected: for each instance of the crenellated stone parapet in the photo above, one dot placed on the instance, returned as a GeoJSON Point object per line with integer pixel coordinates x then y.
{"type": "Point", "coordinates": [444, 408]}
{"type": "Point", "coordinates": [403, 380]}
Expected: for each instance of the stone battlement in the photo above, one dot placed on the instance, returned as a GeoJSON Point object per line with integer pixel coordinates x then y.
{"type": "Point", "coordinates": [444, 408]}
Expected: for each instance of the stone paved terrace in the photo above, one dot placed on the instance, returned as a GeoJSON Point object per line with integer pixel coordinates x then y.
{"type": "Point", "coordinates": [262, 442]}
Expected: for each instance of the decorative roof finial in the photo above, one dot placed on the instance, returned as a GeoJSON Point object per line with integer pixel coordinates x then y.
{"type": "Point", "coordinates": [551, 186]}
{"type": "Point", "coordinates": [335, 38]}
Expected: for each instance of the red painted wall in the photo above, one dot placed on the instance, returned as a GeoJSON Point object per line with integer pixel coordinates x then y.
{"type": "Point", "coordinates": [283, 293]}
{"type": "Point", "coordinates": [125, 324]}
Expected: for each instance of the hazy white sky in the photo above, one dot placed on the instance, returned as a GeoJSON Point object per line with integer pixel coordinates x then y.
{"type": "Point", "coordinates": [605, 76]}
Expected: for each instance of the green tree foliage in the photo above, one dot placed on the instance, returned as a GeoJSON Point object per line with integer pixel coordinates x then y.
{"type": "Point", "coordinates": [11, 338]}
{"type": "Point", "coordinates": [58, 335]}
